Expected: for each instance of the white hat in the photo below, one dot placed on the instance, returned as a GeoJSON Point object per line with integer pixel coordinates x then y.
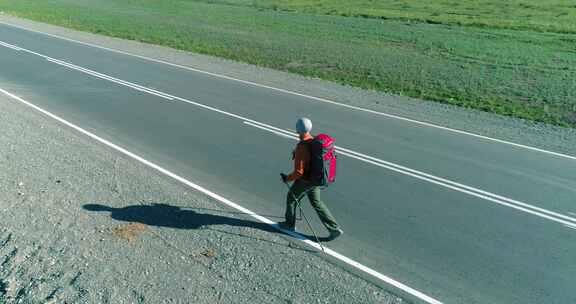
{"type": "Point", "coordinates": [303, 125]}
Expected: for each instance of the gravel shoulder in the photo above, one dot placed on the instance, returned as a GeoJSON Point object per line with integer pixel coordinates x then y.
{"type": "Point", "coordinates": [83, 224]}
{"type": "Point", "coordinates": [520, 131]}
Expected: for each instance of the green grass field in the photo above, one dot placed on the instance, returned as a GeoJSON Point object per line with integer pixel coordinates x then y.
{"type": "Point", "coordinates": [549, 15]}
{"type": "Point", "coordinates": [499, 66]}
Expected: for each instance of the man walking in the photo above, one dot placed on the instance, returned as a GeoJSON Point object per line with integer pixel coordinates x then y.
{"type": "Point", "coordinates": [303, 186]}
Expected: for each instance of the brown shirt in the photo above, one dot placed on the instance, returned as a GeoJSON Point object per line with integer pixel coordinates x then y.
{"type": "Point", "coordinates": [301, 159]}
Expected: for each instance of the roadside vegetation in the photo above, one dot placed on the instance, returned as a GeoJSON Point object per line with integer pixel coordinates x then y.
{"type": "Point", "coordinates": [516, 58]}
{"type": "Point", "coordinates": [548, 16]}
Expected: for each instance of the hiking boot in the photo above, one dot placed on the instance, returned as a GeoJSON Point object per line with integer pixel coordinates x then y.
{"type": "Point", "coordinates": [334, 234]}
{"type": "Point", "coordinates": [286, 226]}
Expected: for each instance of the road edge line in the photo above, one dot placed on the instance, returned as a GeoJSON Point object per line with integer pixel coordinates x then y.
{"type": "Point", "coordinates": [332, 253]}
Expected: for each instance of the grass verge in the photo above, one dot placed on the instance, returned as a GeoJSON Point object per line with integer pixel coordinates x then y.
{"type": "Point", "coordinates": [519, 73]}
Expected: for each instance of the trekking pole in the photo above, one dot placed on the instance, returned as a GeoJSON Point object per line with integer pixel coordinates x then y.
{"type": "Point", "coordinates": [305, 218]}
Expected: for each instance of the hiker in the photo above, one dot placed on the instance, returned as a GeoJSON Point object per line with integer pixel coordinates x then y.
{"type": "Point", "coordinates": [303, 185]}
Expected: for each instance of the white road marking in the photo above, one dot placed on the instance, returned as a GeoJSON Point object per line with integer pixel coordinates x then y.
{"type": "Point", "coordinates": [356, 155]}
{"type": "Point", "coordinates": [571, 227]}
{"type": "Point", "coordinates": [109, 78]}
{"type": "Point", "coordinates": [270, 130]}
{"type": "Point", "coordinates": [10, 46]}
{"type": "Point", "coordinates": [324, 100]}
{"type": "Point", "coordinates": [504, 201]}
{"type": "Point", "coordinates": [359, 266]}
{"type": "Point", "coordinates": [96, 74]}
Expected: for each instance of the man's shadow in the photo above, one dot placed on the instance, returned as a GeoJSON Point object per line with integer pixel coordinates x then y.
{"type": "Point", "coordinates": [163, 215]}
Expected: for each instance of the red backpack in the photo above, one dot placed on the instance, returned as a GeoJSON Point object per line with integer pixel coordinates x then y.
{"type": "Point", "coordinates": [322, 170]}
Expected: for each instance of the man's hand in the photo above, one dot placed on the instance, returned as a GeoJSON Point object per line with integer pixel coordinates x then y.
{"type": "Point", "coordinates": [284, 177]}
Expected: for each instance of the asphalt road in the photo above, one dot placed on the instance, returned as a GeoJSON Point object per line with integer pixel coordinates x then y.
{"type": "Point", "coordinates": [460, 218]}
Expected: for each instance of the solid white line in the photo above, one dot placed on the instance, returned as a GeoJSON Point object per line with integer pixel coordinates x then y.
{"type": "Point", "coordinates": [96, 74]}
{"type": "Point", "coordinates": [109, 78]}
{"type": "Point", "coordinates": [229, 203]}
{"type": "Point", "coordinates": [272, 131]}
{"type": "Point", "coordinates": [459, 185]}
{"type": "Point", "coordinates": [324, 100]}
{"type": "Point", "coordinates": [382, 277]}
{"type": "Point", "coordinates": [504, 201]}
{"type": "Point", "coordinates": [10, 46]}
{"type": "Point", "coordinates": [375, 161]}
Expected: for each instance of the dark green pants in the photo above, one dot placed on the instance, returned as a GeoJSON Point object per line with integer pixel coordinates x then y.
{"type": "Point", "coordinates": [295, 195]}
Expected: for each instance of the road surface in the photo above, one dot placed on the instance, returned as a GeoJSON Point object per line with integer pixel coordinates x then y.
{"type": "Point", "coordinates": [459, 218]}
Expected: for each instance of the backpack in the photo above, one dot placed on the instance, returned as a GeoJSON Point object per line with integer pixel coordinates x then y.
{"type": "Point", "coordinates": [322, 169]}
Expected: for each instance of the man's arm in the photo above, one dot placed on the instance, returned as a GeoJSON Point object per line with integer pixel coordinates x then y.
{"type": "Point", "coordinates": [300, 162]}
